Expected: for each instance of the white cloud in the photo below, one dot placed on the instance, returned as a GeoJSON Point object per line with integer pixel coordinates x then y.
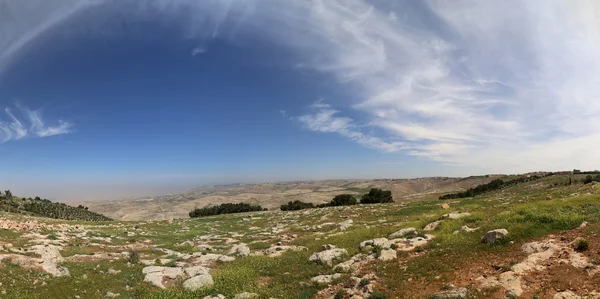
{"type": "Point", "coordinates": [325, 119]}
{"type": "Point", "coordinates": [496, 86]}
{"type": "Point", "coordinates": [29, 123]}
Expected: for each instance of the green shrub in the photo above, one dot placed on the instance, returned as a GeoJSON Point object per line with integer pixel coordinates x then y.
{"type": "Point", "coordinates": [581, 244]}
{"type": "Point", "coordinates": [226, 208]}
{"type": "Point", "coordinates": [377, 196]}
{"type": "Point", "coordinates": [339, 295]}
{"type": "Point", "coordinates": [297, 205]}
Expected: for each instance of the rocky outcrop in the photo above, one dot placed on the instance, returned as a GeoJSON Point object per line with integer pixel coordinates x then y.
{"type": "Point", "coordinates": [328, 255]}
{"type": "Point", "coordinates": [432, 226]}
{"type": "Point", "coordinates": [401, 233]}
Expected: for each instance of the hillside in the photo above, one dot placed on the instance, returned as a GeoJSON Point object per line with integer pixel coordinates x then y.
{"type": "Point", "coordinates": [45, 208]}
{"type": "Point", "coordinates": [536, 239]}
{"type": "Point", "coordinates": [271, 196]}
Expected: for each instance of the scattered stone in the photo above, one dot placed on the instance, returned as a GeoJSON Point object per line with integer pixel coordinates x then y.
{"type": "Point", "coordinates": [402, 232]}
{"type": "Point", "coordinates": [494, 235]}
{"type": "Point", "coordinates": [186, 243]}
{"type": "Point", "coordinates": [468, 229]}
{"type": "Point", "coordinates": [566, 295]}
{"type": "Point", "coordinates": [199, 282]}
{"type": "Point", "coordinates": [583, 224]}
{"type": "Point", "coordinates": [219, 296]}
{"type": "Point", "coordinates": [111, 295]}
{"type": "Point", "coordinates": [432, 226]}
{"type": "Point", "coordinates": [246, 295]}
{"type": "Point", "coordinates": [112, 271]}
{"type": "Point", "coordinates": [456, 215]}
{"type": "Point", "coordinates": [346, 224]}
{"type": "Point", "coordinates": [452, 293]}
{"type": "Point", "coordinates": [445, 206]}
{"type": "Point", "coordinates": [326, 279]}
{"type": "Point", "coordinates": [241, 250]}
{"type": "Point", "coordinates": [156, 275]}
{"type": "Point", "coordinates": [328, 255]}
{"type": "Point", "coordinates": [548, 197]}
{"type": "Point", "coordinates": [387, 255]}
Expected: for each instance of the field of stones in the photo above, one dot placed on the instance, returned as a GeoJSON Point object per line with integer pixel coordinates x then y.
{"type": "Point", "coordinates": [538, 239]}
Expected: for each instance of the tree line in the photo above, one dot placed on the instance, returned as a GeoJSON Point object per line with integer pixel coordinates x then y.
{"type": "Point", "coordinates": [46, 208]}
{"type": "Point", "coordinates": [588, 179]}
{"type": "Point", "coordinates": [226, 208]}
{"type": "Point", "coordinates": [375, 195]}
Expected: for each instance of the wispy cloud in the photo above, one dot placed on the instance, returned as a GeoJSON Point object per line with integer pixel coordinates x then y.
{"type": "Point", "coordinates": [23, 122]}
{"type": "Point", "coordinates": [474, 83]}
{"type": "Point", "coordinates": [326, 119]}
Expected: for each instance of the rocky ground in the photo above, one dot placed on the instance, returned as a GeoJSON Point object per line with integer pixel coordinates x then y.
{"type": "Point", "coordinates": [519, 242]}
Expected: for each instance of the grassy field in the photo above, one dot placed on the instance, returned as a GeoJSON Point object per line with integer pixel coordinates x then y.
{"type": "Point", "coordinates": [528, 211]}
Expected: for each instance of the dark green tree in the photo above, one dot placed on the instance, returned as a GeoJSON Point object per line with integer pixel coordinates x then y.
{"type": "Point", "coordinates": [377, 196]}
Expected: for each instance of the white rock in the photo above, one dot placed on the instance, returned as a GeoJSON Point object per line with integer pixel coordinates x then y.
{"type": "Point", "coordinates": [198, 282]}
{"type": "Point", "coordinates": [195, 270]}
{"type": "Point", "coordinates": [246, 295]}
{"type": "Point", "coordinates": [240, 249]}
{"type": "Point", "coordinates": [326, 279]}
{"type": "Point", "coordinates": [402, 232]}
{"type": "Point", "coordinates": [387, 255]}
{"type": "Point", "coordinates": [328, 256]}
{"type": "Point", "coordinates": [155, 274]}
{"type": "Point", "coordinates": [566, 295]}
{"type": "Point", "coordinates": [456, 215]}
{"type": "Point", "coordinates": [432, 226]}
{"type": "Point", "coordinates": [346, 224]}
{"type": "Point", "coordinates": [492, 236]}
{"type": "Point", "coordinates": [219, 296]}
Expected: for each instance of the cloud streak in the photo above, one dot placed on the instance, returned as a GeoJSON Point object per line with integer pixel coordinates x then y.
{"type": "Point", "coordinates": [29, 123]}
{"type": "Point", "coordinates": [500, 86]}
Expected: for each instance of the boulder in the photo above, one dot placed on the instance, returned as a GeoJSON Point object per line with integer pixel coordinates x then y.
{"type": "Point", "coordinates": [346, 224]}
{"type": "Point", "coordinates": [195, 270]}
{"type": "Point", "coordinates": [246, 295]}
{"type": "Point", "coordinates": [445, 206]}
{"type": "Point", "coordinates": [387, 255]}
{"type": "Point", "coordinates": [327, 256]}
{"type": "Point", "coordinates": [452, 293]}
{"type": "Point", "coordinates": [240, 249]}
{"type": "Point", "coordinates": [566, 295]}
{"type": "Point", "coordinates": [402, 232]}
{"type": "Point", "coordinates": [456, 215]}
{"type": "Point", "coordinates": [432, 226]}
{"type": "Point", "coordinates": [494, 235]}
{"type": "Point", "coordinates": [156, 274]}
{"type": "Point", "coordinates": [326, 279]}
{"type": "Point", "coordinates": [199, 282]}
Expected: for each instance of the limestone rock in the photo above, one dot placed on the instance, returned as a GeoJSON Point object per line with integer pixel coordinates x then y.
{"type": "Point", "coordinates": [156, 274]}
{"type": "Point", "coordinates": [346, 224]}
{"type": "Point", "coordinates": [326, 279]}
{"type": "Point", "coordinates": [494, 235]}
{"type": "Point", "coordinates": [402, 232]}
{"type": "Point", "coordinates": [240, 249]}
{"type": "Point", "coordinates": [327, 256]}
{"type": "Point", "coordinates": [456, 215]}
{"type": "Point", "coordinates": [199, 282]}
{"type": "Point", "coordinates": [246, 295]}
{"type": "Point", "coordinates": [432, 226]}
{"type": "Point", "coordinates": [452, 293]}
{"type": "Point", "coordinates": [387, 255]}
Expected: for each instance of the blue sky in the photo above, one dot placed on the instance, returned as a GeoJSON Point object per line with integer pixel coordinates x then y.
{"type": "Point", "coordinates": [111, 99]}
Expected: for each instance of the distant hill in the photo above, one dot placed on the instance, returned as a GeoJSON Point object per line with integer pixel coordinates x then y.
{"type": "Point", "coordinates": [45, 208]}
{"type": "Point", "coordinates": [273, 195]}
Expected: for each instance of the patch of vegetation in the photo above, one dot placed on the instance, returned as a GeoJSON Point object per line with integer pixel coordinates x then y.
{"type": "Point", "coordinates": [377, 196]}
{"type": "Point", "coordinates": [226, 208]}
{"type": "Point", "coordinates": [340, 200]}
{"type": "Point", "coordinates": [339, 295]}
{"type": "Point", "coordinates": [377, 295]}
{"type": "Point", "coordinates": [491, 186]}
{"type": "Point", "coordinates": [581, 245]}
{"type": "Point", "coordinates": [297, 205]}
{"type": "Point", "coordinates": [588, 179]}
{"type": "Point", "coordinates": [46, 208]}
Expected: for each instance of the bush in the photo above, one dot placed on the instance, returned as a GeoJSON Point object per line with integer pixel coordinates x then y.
{"type": "Point", "coordinates": [377, 295]}
{"type": "Point", "coordinates": [226, 208]}
{"type": "Point", "coordinates": [297, 205]}
{"type": "Point", "coordinates": [377, 196]}
{"type": "Point", "coordinates": [581, 244]}
{"type": "Point", "coordinates": [339, 295]}
{"type": "Point", "coordinates": [343, 200]}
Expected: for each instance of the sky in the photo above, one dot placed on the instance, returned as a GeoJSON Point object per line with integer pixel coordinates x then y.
{"type": "Point", "coordinates": [107, 99]}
